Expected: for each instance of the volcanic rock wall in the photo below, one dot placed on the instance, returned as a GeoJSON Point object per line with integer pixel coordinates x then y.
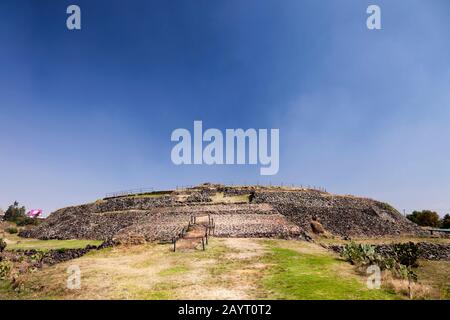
{"type": "Point", "coordinates": [340, 215]}
{"type": "Point", "coordinates": [255, 225]}
{"type": "Point", "coordinates": [78, 224]}
{"type": "Point", "coordinates": [426, 250]}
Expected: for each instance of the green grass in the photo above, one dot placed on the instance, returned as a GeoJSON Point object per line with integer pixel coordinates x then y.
{"type": "Point", "coordinates": [173, 271]}
{"type": "Point", "coordinates": [52, 244]}
{"type": "Point", "coordinates": [6, 291]}
{"type": "Point", "coordinates": [219, 197]}
{"type": "Point", "coordinates": [12, 230]}
{"type": "Point", "coordinates": [241, 198]}
{"type": "Point", "coordinates": [154, 295]}
{"type": "Point", "coordinates": [156, 194]}
{"type": "Point", "coordinates": [297, 275]}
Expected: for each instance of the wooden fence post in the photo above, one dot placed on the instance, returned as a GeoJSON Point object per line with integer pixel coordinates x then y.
{"type": "Point", "coordinates": [174, 244]}
{"type": "Point", "coordinates": [203, 244]}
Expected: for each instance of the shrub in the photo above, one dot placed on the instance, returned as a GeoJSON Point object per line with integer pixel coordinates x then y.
{"type": "Point", "coordinates": [2, 244]}
{"type": "Point", "coordinates": [401, 261]}
{"type": "Point", "coordinates": [5, 269]}
{"type": "Point", "coordinates": [360, 254]}
{"type": "Point", "coordinates": [404, 272]}
{"type": "Point", "coordinates": [406, 253]}
{"type": "Point", "coordinates": [388, 207]}
{"type": "Point", "coordinates": [38, 256]}
{"type": "Point", "coordinates": [24, 221]}
{"type": "Point", "coordinates": [12, 230]}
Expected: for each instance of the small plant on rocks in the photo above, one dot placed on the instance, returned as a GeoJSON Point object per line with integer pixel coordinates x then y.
{"type": "Point", "coordinates": [2, 244]}
{"type": "Point", "coordinates": [5, 269]}
{"type": "Point", "coordinates": [12, 230]}
{"type": "Point", "coordinates": [38, 256]}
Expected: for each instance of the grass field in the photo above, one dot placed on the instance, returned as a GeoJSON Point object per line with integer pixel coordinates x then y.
{"type": "Point", "coordinates": [219, 197]}
{"type": "Point", "coordinates": [314, 275]}
{"type": "Point", "coordinates": [228, 269]}
{"type": "Point", "coordinates": [13, 242]}
{"type": "Point", "coordinates": [52, 244]}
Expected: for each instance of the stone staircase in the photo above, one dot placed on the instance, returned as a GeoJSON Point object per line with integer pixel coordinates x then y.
{"type": "Point", "coordinates": [197, 234]}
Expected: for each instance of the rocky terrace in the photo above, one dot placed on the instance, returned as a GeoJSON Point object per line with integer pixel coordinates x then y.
{"type": "Point", "coordinates": [248, 211]}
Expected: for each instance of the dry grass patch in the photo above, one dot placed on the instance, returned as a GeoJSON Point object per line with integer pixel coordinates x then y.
{"type": "Point", "coordinates": [219, 197]}
{"type": "Point", "coordinates": [149, 271]}
{"type": "Point", "coordinates": [403, 287]}
{"type": "Point", "coordinates": [436, 275]}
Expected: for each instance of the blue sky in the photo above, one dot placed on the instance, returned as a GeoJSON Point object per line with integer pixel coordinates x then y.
{"type": "Point", "coordinates": [360, 112]}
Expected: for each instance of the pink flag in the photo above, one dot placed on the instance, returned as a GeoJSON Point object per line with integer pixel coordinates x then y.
{"type": "Point", "coordinates": [34, 213]}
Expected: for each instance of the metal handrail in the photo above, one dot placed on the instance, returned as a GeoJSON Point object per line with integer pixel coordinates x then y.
{"type": "Point", "coordinates": [128, 192]}
{"type": "Point", "coordinates": [185, 187]}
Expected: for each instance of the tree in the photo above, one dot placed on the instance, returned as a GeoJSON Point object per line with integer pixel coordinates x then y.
{"type": "Point", "coordinates": [15, 212]}
{"type": "Point", "coordinates": [445, 222]}
{"type": "Point", "coordinates": [425, 218]}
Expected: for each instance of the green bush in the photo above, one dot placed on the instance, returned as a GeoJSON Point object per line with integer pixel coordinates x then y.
{"type": "Point", "coordinates": [38, 256]}
{"type": "Point", "coordinates": [403, 272]}
{"type": "Point", "coordinates": [24, 221]}
{"type": "Point", "coordinates": [5, 269]}
{"type": "Point", "coordinates": [2, 244]}
{"type": "Point", "coordinates": [406, 253]}
{"type": "Point", "coordinates": [360, 254]}
{"type": "Point", "coordinates": [12, 230]}
{"type": "Point", "coordinates": [400, 263]}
